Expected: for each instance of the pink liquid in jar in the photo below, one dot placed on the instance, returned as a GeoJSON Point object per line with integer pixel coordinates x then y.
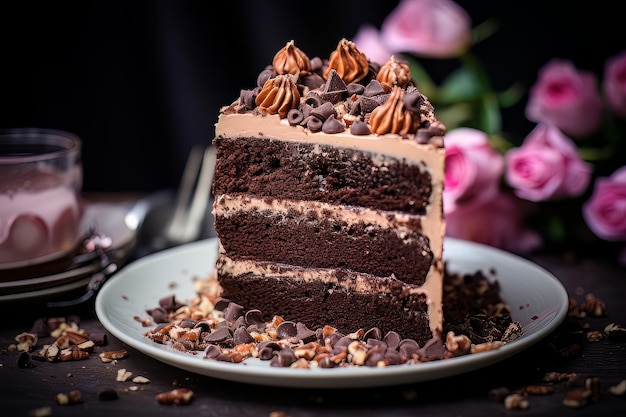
{"type": "Point", "coordinates": [40, 207]}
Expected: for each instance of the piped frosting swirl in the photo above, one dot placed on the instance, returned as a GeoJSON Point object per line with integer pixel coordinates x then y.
{"type": "Point", "coordinates": [291, 60]}
{"type": "Point", "coordinates": [394, 72]}
{"type": "Point", "coordinates": [351, 64]}
{"type": "Point", "coordinates": [393, 116]}
{"type": "Point", "coordinates": [278, 95]}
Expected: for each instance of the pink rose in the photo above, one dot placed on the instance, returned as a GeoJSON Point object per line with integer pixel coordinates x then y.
{"type": "Point", "coordinates": [367, 40]}
{"type": "Point", "coordinates": [473, 168]}
{"type": "Point", "coordinates": [615, 83]}
{"type": "Point", "coordinates": [431, 28]}
{"type": "Point", "coordinates": [605, 211]}
{"type": "Point", "coordinates": [565, 97]}
{"type": "Point", "coordinates": [497, 222]}
{"type": "Point", "coordinates": [546, 166]}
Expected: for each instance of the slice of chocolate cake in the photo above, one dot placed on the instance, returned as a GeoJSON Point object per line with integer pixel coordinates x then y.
{"type": "Point", "coordinates": [328, 195]}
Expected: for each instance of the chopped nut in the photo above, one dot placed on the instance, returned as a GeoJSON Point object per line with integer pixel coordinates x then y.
{"type": "Point", "coordinates": [50, 352]}
{"type": "Point", "coordinates": [593, 306]}
{"type": "Point", "coordinates": [63, 342]}
{"type": "Point", "coordinates": [123, 375]}
{"type": "Point", "coordinates": [513, 332]}
{"type": "Point", "coordinates": [484, 347]}
{"type": "Point", "coordinates": [516, 402]}
{"type": "Point", "coordinates": [40, 412]}
{"type": "Point", "coordinates": [278, 414]}
{"type": "Point", "coordinates": [75, 337]}
{"type": "Point", "coordinates": [618, 390]}
{"type": "Point", "coordinates": [73, 397]}
{"type": "Point", "coordinates": [177, 396]}
{"type": "Point", "coordinates": [570, 351]}
{"type": "Point", "coordinates": [539, 389]}
{"type": "Point", "coordinates": [499, 394]}
{"type": "Point", "coordinates": [86, 345]}
{"type": "Point", "coordinates": [55, 322]}
{"type": "Point", "coordinates": [558, 376]}
{"type": "Point", "coordinates": [358, 351]}
{"type": "Point", "coordinates": [307, 351]}
{"type": "Point", "coordinates": [301, 363]}
{"type": "Point", "coordinates": [59, 330]}
{"type": "Point", "coordinates": [141, 380]}
{"type": "Point", "coordinates": [573, 309]}
{"type": "Point", "coordinates": [594, 336]}
{"type": "Point", "coordinates": [111, 355]}
{"type": "Point", "coordinates": [73, 354]}
{"type": "Point", "coordinates": [25, 341]}
{"type": "Point", "coordinates": [616, 332]}
{"type": "Point", "coordinates": [593, 385]}
{"type": "Point", "coordinates": [458, 345]}
{"type": "Point", "coordinates": [577, 397]}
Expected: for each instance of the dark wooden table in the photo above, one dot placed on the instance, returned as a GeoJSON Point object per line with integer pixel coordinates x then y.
{"type": "Point", "coordinates": [28, 391]}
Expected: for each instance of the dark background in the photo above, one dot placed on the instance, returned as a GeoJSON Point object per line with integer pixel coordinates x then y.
{"type": "Point", "coordinates": [141, 82]}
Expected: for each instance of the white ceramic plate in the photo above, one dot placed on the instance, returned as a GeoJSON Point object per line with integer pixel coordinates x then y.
{"type": "Point", "coordinates": [536, 299]}
{"type": "Point", "coordinates": [108, 218]}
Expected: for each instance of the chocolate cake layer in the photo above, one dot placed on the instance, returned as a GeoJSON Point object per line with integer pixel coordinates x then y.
{"type": "Point", "coordinates": [373, 302]}
{"type": "Point", "coordinates": [325, 242]}
{"type": "Point", "coordinates": [307, 171]}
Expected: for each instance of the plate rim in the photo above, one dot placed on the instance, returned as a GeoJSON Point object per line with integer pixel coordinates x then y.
{"type": "Point", "coordinates": [348, 377]}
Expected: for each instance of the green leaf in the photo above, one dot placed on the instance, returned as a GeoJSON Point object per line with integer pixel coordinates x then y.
{"type": "Point", "coordinates": [512, 95]}
{"type": "Point", "coordinates": [555, 228]}
{"type": "Point", "coordinates": [500, 143]}
{"type": "Point", "coordinates": [462, 85]}
{"type": "Point", "coordinates": [489, 115]}
{"type": "Point", "coordinates": [485, 30]}
{"type": "Point", "coordinates": [457, 115]}
{"type": "Point", "coordinates": [596, 154]}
